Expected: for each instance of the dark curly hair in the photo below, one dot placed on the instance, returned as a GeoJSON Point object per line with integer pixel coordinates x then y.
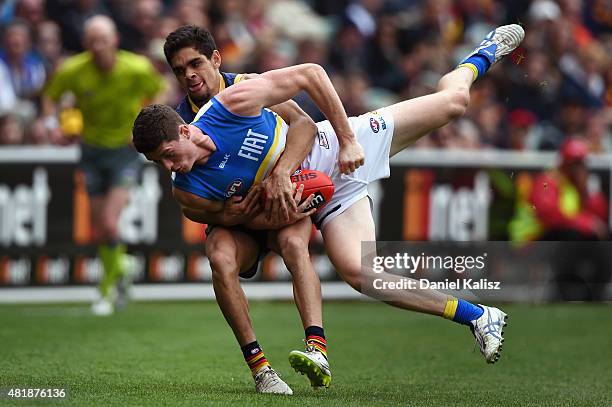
{"type": "Point", "coordinates": [189, 36]}
{"type": "Point", "coordinates": [154, 125]}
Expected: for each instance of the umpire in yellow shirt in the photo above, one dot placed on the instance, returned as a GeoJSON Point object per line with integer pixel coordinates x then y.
{"type": "Point", "coordinates": [110, 87]}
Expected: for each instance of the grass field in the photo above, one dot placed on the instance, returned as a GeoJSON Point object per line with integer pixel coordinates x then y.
{"type": "Point", "coordinates": [179, 354]}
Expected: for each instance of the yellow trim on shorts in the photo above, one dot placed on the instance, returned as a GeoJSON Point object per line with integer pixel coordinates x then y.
{"type": "Point", "coordinates": [451, 308]}
{"type": "Point", "coordinates": [266, 162]}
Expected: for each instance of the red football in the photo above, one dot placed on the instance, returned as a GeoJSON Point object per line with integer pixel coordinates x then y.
{"type": "Point", "coordinates": [315, 182]}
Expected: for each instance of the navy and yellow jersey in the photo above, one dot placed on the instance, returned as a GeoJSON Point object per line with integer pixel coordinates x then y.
{"type": "Point", "coordinates": [188, 110]}
{"type": "Point", "coordinates": [247, 150]}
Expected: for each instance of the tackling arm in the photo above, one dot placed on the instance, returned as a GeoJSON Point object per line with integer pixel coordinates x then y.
{"type": "Point", "coordinates": [271, 88]}
{"type": "Point", "coordinates": [302, 131]}
{"type": "Point", "coordinates": [227, 213]}
{"type": "Point", "coordinates": [277, 185]}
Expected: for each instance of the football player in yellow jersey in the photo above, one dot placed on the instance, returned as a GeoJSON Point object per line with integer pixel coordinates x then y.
{"type": "Point", "coordinates": [110, 87]}
{"type": "Point", "coordinates": [235, 251]}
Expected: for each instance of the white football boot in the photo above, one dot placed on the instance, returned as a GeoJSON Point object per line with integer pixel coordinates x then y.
{"type": "Point", "coordinates": [499, 43]}
{"type": "Point", "coordinates": [313, 364]}
{"type": "Point", "coordinates": [268, 381]}
{"type": "Point", "coordinates": [488, 331]}
{"type": "Point", "coordinates": [103, 307]}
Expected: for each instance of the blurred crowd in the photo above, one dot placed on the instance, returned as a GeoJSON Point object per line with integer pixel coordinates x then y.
{"type": "Point", "coordinates": [557, 84]}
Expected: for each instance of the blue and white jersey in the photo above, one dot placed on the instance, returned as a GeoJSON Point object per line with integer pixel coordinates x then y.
{"type": "Point", "coordinates": [247, 150]}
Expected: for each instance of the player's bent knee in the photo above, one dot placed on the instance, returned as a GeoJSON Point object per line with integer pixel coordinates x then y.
{"type": "Point", "coordinates": [459, 100]}
{"type": "Point", "coordinates": [293, 247]}
{"type": "Point", "coordinates": [223, 264]}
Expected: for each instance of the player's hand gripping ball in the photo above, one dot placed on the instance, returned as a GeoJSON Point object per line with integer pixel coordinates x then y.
{"type": "Point", "coordinates": [315, 183]}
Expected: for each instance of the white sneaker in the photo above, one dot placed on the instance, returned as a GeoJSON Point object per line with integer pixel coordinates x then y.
{"type": "Point", "coordinates": [102, 307]}
{"type": "Point", "coordinates": [313, 364]}
{"type": "Point", "coordinates": [500, 42]}
{"type": "Point", "coordinates": [268, 381]}
{"type": "Point", "coordinates": [488, 331]}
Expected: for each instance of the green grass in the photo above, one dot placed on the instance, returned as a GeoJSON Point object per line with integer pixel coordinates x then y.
{"type": "Point", "coordinates": [179, 354]}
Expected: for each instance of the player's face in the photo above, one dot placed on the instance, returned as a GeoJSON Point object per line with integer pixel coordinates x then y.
{"type": "Point", "coordinates": [176, 155]}
{"type": "Point", "coordinates": [197, 74]}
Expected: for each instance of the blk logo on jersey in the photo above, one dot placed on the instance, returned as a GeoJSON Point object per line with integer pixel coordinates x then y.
{"type": "Point", "coordinates": [234, 188]}
{"type": "Point", "coordinates": [323, 142]}
{"type": "Point", "coordinates": [226, 157]}
{"type": "Point", "coordinates": [374, 125]}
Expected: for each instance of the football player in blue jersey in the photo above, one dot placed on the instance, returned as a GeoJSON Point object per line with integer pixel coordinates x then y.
{"type": "Point", "coordinates": [250, 131]}
{"type": "Point", "coordinates": [236, 251]}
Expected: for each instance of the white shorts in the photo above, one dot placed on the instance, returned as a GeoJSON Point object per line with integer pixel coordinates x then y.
{"type": "Point", "coordinates": [374, 131]}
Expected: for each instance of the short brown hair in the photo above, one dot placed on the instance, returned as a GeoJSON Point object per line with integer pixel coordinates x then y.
{"type": "Point", "coordinates": [154, 125]}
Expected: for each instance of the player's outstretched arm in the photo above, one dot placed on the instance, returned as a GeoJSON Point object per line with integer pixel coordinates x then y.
{"type": "Point", "coordinates": [300, 136]}
{"type": "Point", "coordinates": [247, 98]}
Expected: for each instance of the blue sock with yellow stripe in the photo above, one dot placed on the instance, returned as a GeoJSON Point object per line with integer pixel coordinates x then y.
{"type": "Point", "coordinates": [478, 64]}
{"type": "Point", "coordinates": [461, 311]}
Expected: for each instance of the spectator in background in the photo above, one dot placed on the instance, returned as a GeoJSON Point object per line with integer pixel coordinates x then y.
{"type": "Point", "coordinates": [190, 12]}
{"type": "Point", "coordinates": [26, 78]}
{"type": "Point", "coordinates": [442, 21]}
{"type": "Point", "coordinates": [30, 11]}
{"type": "Point", "coordinates": [8, 100]}
{"type": "Point", "coordinates": [11, 130]}
{"type": "Point", "coordinates": [560, 207]}
{"type": "Point", "coordinates": [347, 51]}
{"type": "Point", "coordinates": [110, 86]}
{"type": "Point", "coordinates": [468, 135]}
{"type": "Point", "coordinates": [138, 21]}
{"type": "Point", "coordinates": [597, 133]}
{"type": "Point", "coordinates": [71, 16]}
{"type": "Point", "coordinates": [489, 120]}
{"type": "Point", "coordinates": [383, 56]}
{"type": "Point", "coordinates": [362, 14]}
{"type": "Point", "coordinates": [26, 69]}
{"type": "Point", "coordinates": [520, 121]}
{"type": "Point", "coordinates": [536, 86]}
{"type": "Point", "coordinates": [49, 45]}
{"type": "Point", "coordinates": [599, 16]}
